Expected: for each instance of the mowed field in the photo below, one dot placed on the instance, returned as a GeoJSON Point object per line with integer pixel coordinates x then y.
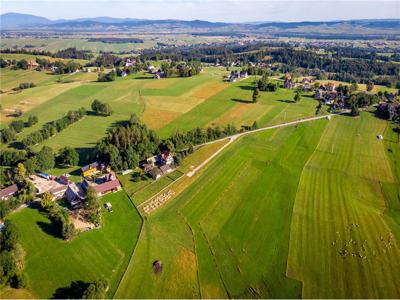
{"type": "Point", "coordinates": [52, 263]}
{"type": "Point", "coordinates": [272, 215]}
{"type": "Point", "coordinates": [341, 245]}
{"type": "Point", "coordinates": [166, 105]}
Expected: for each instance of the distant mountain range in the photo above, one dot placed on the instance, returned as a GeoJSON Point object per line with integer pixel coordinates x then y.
{"type": "Point", "coordinates": [17, 21]}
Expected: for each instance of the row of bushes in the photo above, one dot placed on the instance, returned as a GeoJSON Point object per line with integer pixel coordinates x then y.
{"type": "Point", "coordinates": [9, 134]}
{"type": "Point", "coordinates": [51, 128]}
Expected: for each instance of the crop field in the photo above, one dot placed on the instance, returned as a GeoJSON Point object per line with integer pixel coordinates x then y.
{"type": "Point", "coordinates": [52, 263]}
{"type": "Point", "coordinates": [302, 211]}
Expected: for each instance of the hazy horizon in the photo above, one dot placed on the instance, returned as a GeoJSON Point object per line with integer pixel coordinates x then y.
{"type": "Point", "coordinates": [237, 11]}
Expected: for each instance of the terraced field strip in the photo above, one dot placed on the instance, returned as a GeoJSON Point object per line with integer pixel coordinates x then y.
{"type": "Point", "coordinates": [340, 243]}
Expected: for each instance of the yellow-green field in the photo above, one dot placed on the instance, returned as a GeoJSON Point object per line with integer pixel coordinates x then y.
{"type": "Point", "coordinates": [272, 215]}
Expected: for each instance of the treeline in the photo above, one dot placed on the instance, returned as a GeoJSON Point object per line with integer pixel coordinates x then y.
{"type": "Point", "coordinates": [58, 67]}
{"type": "Point", "coordinates": [126, 145]}
{"type": "Point", "coordinates": [12, 257]}
{"type": "Point", "coordinates": [117, 40]}
{"type": "Point", "coordinates": [71, 53]}
{"type": "Point", "coordinates": [9, 133]}
{"type": "Point", "coordinates": [51, 128]}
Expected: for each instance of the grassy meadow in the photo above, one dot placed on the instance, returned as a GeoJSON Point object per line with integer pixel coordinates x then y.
{"type": "Point", "coordinates": [272, 215]}
{"type": "Point", "coordinates": [52, 263]}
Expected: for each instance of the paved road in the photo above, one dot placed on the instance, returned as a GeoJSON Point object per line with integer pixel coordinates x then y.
{"type": "Point", "coordinates": [236, 136]}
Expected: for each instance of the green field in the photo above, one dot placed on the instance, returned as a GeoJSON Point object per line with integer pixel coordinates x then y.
{"type": "Point", "coordinates": [52, 263]}
{"type": "Point", "coordinates": [233, 235]}
{"type": "Point", "coordinates": [165, 105]}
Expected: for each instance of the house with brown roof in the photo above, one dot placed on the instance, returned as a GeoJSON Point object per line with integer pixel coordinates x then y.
{"type": "Point", "coordinates": [8, 192]}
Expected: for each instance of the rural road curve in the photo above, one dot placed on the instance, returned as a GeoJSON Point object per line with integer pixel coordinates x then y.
{"type": "Point", "coordinates": [236, 136]}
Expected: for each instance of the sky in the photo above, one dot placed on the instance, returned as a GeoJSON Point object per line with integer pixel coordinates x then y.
{"type": "Point", "coordinates": [211, 10]}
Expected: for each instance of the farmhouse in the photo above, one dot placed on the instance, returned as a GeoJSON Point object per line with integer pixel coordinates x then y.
{"type": "Point", "coordinates": [158, 165]}
{"type": "Point", "coordinates": [48, 184]}
{"type": "Point", "coordinates": [94, 168]}
{"type": "Point", "coordinates": [75, 194]}
{"type": "Point", "coordinates": [8, 192]}
{"type": "Point", "coordinates": [103, 185]}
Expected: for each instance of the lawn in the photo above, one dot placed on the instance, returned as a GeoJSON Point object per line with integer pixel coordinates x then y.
{"type": "Point", "coordinates": [52, 263]}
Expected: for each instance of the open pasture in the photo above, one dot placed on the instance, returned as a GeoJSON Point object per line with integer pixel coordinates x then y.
{"type": "Point", "coordinates": [217, 222]}
{"type": "Point", "coordinates": [340, 243]}
{"type": "Point", "coordinates": [52, 263]}
{"type": "Point", "coordinates": [234, 229]}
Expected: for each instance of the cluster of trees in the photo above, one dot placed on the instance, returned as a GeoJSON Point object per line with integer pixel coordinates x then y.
{"type": "Point", "coordinates": [101, 108]}
{"type": "Point", "coordinates": [51, 128]}
{"type": "Point", "coordinates": [25, 194]}
{"type": "Point", "coordinates": [12, 257]}
{"type": "Point", "coordinates": [59, 217]}
{"type": "Point", "coordinates": [107, 60]}
{"type": "Point", "coordinates": [83, 290]}
{"type": "Point", "coordinates": [59, 67]}
{"type": "Point", "coordinates": [68, 156]}
{"type": "Point", "coordinates": [41, 161]}
{"type": "Point", "coordinates": [92, 207]}
{"type": "Point", "coordinates": [125, 145]}
{"type": "Point", "coordinates": [105, 77]}
{"type": "Point", "coordinates": [24, 85]}
{"type": "Point", "coordinates": [9, 133]}
{"type": "Point", "coordinates": [173, 68]}
{"type": "Point", "coordinates": [74, 54]}
{"type": "Point", "coordinates": [264, 84]}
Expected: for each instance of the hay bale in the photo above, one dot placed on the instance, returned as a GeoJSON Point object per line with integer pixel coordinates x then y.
{"type": "Point", "coordinates": [157, 266]}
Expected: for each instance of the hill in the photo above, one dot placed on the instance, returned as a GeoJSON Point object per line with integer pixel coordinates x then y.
{"type": "Point", "coordinates": [383, 27]}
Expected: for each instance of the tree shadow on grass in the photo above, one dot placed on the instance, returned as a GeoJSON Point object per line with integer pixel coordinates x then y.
{"type": "Point", "coordinates": [242, 101]}
{"type": "Point", "coordinates": [50, 228]}
{"type": "Point", "coordinates": [247, 87]}
{"type": "Point", "coordinates": [74, 291]}
{"type": "Point", "coordinates": [286, 101]}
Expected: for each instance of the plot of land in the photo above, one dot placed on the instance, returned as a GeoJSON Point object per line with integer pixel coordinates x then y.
{"type": "Point", "coordinates": [52, 263]}
{"type": "Point", "coordinates": [340, 204]}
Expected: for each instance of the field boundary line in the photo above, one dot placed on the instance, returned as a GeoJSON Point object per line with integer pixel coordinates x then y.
{"type": "Point", "coordinates": [195, 250]}
{"type": "Point", "coordinates": [134, 248]}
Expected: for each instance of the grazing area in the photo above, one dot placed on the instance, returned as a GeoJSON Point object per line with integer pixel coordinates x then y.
{"type": "Point", "coordinates": [216, 226]}
{"type": "Point", "coordinates": [217, 241]}
{"type": "Point", "coordinates": [340, 203]}
{"type": "Point", "coordinates": [52, 263]}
